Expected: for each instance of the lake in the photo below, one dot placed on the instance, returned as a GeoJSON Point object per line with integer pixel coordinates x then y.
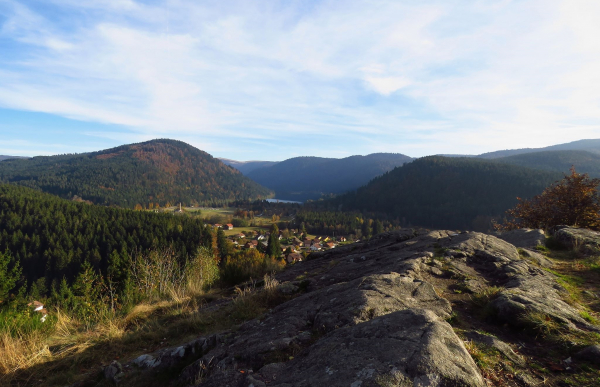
{"type": "Point", "coordinates": [282, 201]}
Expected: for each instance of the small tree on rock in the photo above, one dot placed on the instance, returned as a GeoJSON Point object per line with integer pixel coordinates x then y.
{"type": "Point", "coordinates": [573, 201]}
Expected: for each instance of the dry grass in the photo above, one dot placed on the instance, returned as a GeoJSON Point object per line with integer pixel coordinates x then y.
{"type": "Point", "coordinates": [17, 353]}
{"type": "Point", "coordinates": [74, 348]}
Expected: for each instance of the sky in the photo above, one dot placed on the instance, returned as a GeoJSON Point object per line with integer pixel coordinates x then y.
{"type": "Point", "coordinates": [271, 80]}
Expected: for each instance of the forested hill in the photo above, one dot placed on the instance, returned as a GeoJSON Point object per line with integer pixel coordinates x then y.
{"type": "Point", "coordinates": [448, 193]}
{"type": "Point", "coordinates": [4, 157]}
{"type": "Point", "coordinates": [52, 238]}
{"type": "Point", "coordinates": [591, 145]}
{"type": "Point", "coordinates": [303, 178]}
{"type": "Point", "coordinates": [158, 172]}
{"type": "Point", "coordinates": [560, 161]}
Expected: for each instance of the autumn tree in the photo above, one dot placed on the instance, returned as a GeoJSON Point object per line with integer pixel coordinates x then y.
{"type": "Point", "coordinates": [573, 201]}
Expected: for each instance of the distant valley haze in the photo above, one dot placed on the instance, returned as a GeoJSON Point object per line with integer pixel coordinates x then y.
{"type": "Point", "coordinates": [169, 171]}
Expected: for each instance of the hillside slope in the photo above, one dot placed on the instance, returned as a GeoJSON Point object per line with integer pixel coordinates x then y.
{"type": "Point", "coordinates": [408, 308]}
{"type": "Point", "coordinates": [51, 238]}
{"type": "Point", "coordinates": [247, 166]}
{"type": "Point", "coordinates": [303, 178]}
{"type": "Point", "coordinates": [5, 157]}
{"type": "Point", "coordinates": [592, 145]}
{"type": "Point", "coordinates": [157, 171]}
{"type": "Point", "coordinates": [442, 192]}
{"type": "Point", "coordinates": [558, 160]}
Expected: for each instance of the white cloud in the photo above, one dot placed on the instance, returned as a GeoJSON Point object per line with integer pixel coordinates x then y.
{"type": "Point", "coordinates": [387, 85]}
{"type": "Point", "coordinates": [451, 77]}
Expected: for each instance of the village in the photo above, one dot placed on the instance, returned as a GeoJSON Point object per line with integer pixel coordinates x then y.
{"type": "Point", "coordinates": [295, 245]}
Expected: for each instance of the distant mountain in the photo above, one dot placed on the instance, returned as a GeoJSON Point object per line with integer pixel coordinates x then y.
{"type": "Point", "coordinates": [450, 193]}
{"type": "Point", "coordinates": [247, 166]}
{"type": "Point", "coordinates": [558, 160]}
{"type": "Point", "coordinates": [157, 171]}
{"type": "Point", "coordinates": [303, 178]}
{"type": "Point", "coordinates": [592, 146]}
{"type": "Point", "coordinates": [3, 157]}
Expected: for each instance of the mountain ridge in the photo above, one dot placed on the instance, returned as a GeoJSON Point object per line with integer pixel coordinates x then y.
{"type": "Point", "coordinates": [159, 171]}
{"type": "Point", "coordinates": [443, 192]}
{"type": "Point", "coordinates": [310, 177]}
{"type": "Point", "coordinates": [590, 145]}
{"type": "Point", "coordinates": [557, 160]}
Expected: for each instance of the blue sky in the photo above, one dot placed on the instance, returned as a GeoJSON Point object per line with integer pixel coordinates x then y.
{"type": "Point", "coordinates": [270, 80]}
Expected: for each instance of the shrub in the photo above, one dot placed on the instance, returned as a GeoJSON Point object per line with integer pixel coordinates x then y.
{"type": "Point", "coordinates": [159, 275]}
{"type": "Point", "coordinates": [248, 264]}
{"type": "Point", "coordinates": [573, 201]}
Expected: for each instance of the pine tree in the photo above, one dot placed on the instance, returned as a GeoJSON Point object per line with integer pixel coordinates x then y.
{"type": "Point", "coordinates": [377, 227]}
{"type": "Point", "coordinates": [273, 246]}
{"type": "Point", "coordinates": [9, 275]}
{"type": "Point", "coordinates": [223, 244]}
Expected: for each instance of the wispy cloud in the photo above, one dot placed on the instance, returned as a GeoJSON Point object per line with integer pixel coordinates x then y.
{"type": "Point", "coordinates": [318, 77]}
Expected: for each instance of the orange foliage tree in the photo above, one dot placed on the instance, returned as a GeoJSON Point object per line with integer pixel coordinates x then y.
{"type": "Point", "coordinates": [573, 201]}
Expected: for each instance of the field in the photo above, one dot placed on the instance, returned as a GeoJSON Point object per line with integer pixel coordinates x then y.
{"type": "Point", "coordinates": [223, 215]}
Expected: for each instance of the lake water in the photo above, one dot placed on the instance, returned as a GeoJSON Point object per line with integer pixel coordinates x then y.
{"type": "Point", "coordinates": [282, 201]}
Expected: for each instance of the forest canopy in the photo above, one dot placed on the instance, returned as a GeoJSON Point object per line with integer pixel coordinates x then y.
{"type": "Point", "coordinates": [149, 174]}
{"type": "Point", "coordinates": [52, 239]}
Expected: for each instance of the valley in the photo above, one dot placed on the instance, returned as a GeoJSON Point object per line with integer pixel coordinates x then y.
{"type": "Point", "coordinates": [211, 279]}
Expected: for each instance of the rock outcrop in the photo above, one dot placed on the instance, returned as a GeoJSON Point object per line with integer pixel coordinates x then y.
{"type": "Point", "coordinates": [372, 314]}
{"type": "Point", "coordinates": [524, 237]}
{"type": "Point", "coordinates": [586, 241]}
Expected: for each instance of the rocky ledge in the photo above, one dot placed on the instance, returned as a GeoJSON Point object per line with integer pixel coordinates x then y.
{"type": "Point", "coordinates": [376, 314]}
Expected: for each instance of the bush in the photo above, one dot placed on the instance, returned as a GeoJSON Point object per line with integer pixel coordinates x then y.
{"type": "Point", "coordinates": [237, 222]}
{"type": "Point", "coordinates": [573, 201]}
{"type": "Point", "coordinates": [158, 274]}
{"type": "Point", "coordinates": [248, 264]}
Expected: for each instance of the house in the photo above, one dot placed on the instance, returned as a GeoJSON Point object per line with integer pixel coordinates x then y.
{"type": "Point", "coordinates": [240, 236]}
{"type": "Point", "coordinates": [217, 225]}
{"type": "Point", "coordinates": [294, 257]}
{"type": "Point", "coordinates": [264, 244]}
{"type": "Point", "coordinates": [228, 226]}
{"type": "Point", "coordinates": [315, 247]}
{"type": "Point", "coordinates": [306, 242]}
{"type": "Point", "coordinates": [261, 237]}
{"type": "Point", "coordinates": [296, 242]}
{"type": "Point", "coordinates": [251, 245]}
{"type": "Point", "coordinates": [330, 245]}
{"type": "Point", "coordinates": [342, 239]}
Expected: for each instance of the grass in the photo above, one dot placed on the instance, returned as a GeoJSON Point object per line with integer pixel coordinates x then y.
{"type": "Point", "coordinates": [588, 317]}
{"type": "Point", "coordinates": [483, 299]}
{"type": "Point", "coordinates": [540, 323]}
{"type": "Point", "coordinates": [74, 349]}
{"type": "Point", "coordinates": [484, 356]}
{"type": "Point", "coordinates": [490, 362]}
{"type": "Point", "coordinates": [454, 319]}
